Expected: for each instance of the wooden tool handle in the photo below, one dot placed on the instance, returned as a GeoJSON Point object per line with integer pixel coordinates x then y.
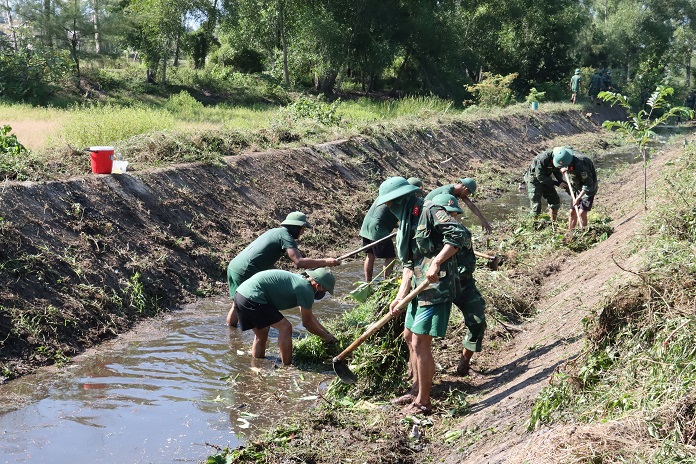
{"type": "Point", "coordinates": [483, 255]}
{"type": "Point", "coordinates": [380, 323]}
{"type": "Point", "coordinates": [572, 197]}
{"type": "Point", "coordinates": [348, 255]}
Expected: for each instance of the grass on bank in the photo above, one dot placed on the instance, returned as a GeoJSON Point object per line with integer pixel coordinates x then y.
{"type": "Point", "coordinates": [638, 370]}
{"type": "Point", "coordinates": [243, 113]}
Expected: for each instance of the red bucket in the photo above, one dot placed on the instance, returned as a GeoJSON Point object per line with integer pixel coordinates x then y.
{"type": "Point", "coordinates": [102, 159]}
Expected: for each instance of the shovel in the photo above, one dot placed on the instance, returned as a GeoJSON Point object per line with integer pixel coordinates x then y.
{"type": "Point", "coordinates": [572, 197]}
{"type": "Point", "coordinates": [352, 253]}
{"type": "Point", "coordinates": [493, 260]}
{"type": "Point", "coordinates": [364, 290]}
{"type": "Point", "coordinates": [340, 366]}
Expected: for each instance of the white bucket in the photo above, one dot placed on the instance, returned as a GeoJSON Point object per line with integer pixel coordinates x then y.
{"type": "Point", "coordinates": [119, 167]}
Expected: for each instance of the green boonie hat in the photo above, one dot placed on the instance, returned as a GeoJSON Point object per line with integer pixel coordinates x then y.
{"type": "Point", "coordinates": [448, 201]}
{"type": "Point", "coordinates": [323, 277]}
{"type": "Point", "coordinates": [469, 183]}
{"type": "Point", "coordinates": [415, 181]}
{"type": "Point", "coordinates": [393, 188]}
{"type": "Point", "coordinates": [562, 156]}
{"type": "Point", "coordinates": [296, 218]}
{"type": "Point", "coordinates": [577, 71]}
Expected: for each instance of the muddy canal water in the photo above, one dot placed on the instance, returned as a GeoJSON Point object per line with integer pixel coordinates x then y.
{"type": "Point", "coordinates": [160, 394]}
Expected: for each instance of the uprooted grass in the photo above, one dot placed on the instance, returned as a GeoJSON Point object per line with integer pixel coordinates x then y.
{"type": "Point", "coordinates": [639, 367]}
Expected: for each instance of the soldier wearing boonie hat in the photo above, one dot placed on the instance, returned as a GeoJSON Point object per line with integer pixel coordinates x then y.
{"type": "Point", "coordinates": [260, 298]}
{"type": "Point", "coordinates": [469, 300]}
{"type": "Point", "coordinates": [427, 239]}
{"type": "Point", "coordinates": [266, 250]}
{"type": "Point", "coordinates": [583, 181]}
{"type": "Point", "coordinates": [463, 190]}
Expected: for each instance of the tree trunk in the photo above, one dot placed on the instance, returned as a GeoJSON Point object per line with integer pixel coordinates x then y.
{"type": "Point", "coordinates": [47, 13]}
{"type": "Point", "coordinates": [9, 21]}
{"type": "Point", "coordinates": [178, 49]}
{"type": "Point", "coordinates": [164, 70]}
{"type": "Point", "coordinates": [283, 41]}
{"type": "Point", "coordinates": [688, 70]}
{"type": "Point", "coordinates": [97, 27]}
{"type": "Point", "coordinates": [151, 76]}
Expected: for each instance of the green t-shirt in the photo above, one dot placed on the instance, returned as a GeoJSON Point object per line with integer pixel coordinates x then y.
{"type": "Point", "coordinates": [448, 189]}
{"type": "Point", "coordinates": [575, 83]}
{"type": "Point", "coordinates": [262, 253]}
{"type": "Point", "coordinates": [378, 223]}
{"type": "Point", "coordinates": [282, 289]}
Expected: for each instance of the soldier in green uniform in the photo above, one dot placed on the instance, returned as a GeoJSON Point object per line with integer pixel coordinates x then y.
{"type": "Point", "coordinates": [575, 81]}
{"type": "Point", "coordinates": [377, 224]}
{"type": "Point", "coordinates": [596, 84]}
{"type": "Point", "coordinates": [462, 190]}
{"type": "Point", "coordinates": [583, 181]}
{"type": "Point", "coordinates": [427, 239]}
{"type": "Point", "coordinates": [260, 298]}
{"type": "Point", "coordinates": [541, 178]}
{"type": "Point", "coordinates": [469, 299]}
{"type": "Point", "coordinates": [266, 250]}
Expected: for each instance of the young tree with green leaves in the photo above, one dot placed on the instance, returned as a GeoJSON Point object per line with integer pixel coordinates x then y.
{"type": "Point", "coordinates": [639, 127]}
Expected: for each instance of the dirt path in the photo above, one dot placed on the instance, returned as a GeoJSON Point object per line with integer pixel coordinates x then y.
{"type": "Point", "coordinates": [514, 375]}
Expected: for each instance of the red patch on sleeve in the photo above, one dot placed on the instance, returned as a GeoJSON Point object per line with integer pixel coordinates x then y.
{"type": "Point", "coordinates": [416, 210]}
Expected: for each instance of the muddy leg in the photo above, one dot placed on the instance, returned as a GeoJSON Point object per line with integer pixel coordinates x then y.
{"type": "Point", "coordinates": [368, 266]}
{"type": "Point", "coordinates": [232, 319]}
{"type": "Point", "coordinates": [284, 329]}
{"type": "Point", "coordinates": [464, 362]}
{"type": "Point", "coordinates": [258, 349]}
{"type": "Point", "coordinates": [424, 367]}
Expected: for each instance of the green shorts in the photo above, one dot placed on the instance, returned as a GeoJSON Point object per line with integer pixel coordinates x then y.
{"type": "Point", "coordinates": [428, 320]}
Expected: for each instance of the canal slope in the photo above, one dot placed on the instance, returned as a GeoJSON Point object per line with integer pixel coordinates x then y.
{"type": "Point", "coordinates": [85, 258]}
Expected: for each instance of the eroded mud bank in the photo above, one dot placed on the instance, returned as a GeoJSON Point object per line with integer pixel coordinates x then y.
{"type": "Point", "coordinates": [83, 259]}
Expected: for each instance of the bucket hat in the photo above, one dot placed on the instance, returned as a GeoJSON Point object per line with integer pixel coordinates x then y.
{"type": "Point", "coordinates": [393, 188]}
{"type": "Point", "coordinates": [562, 156]}
{"type": "Point", "coordinates": [323, 277]}
{"type": "Point", "coordinates": [449, 202]}
{"type": "Point", "coordinates": [469, 183]}
{"type": "Point", "coordinates": [296, 218]}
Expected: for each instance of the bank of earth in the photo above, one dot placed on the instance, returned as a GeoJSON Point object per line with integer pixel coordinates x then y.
{"type": "Point", "coordinates": [86, 258]}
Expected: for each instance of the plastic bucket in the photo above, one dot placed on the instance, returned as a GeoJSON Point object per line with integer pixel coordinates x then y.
{"type": "Point", "coordinates": [119, 167]}
{"type": "Point", "coordinates": [102, 159]}
{"type": "Point", "coordinates": [535, 105]}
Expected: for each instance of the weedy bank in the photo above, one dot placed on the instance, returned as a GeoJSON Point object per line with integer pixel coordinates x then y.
{"type": "Point", "coordinates": [630, 395]}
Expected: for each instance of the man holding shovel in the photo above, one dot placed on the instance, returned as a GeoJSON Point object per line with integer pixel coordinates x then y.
{"type": "Point", "coordinates": [462, 190]}
{"type": "Point", "coordinates": [260, 299]}
{"type": "Point", "coordinates": [468, 299]}
{"type": "Point", "coordinates": [427, 239]}
{"type": "Point", "coordinates": [377, 224]}
{"type": "Point", "coordinates": [542, 178]}
{"type": "Point", "coordinates": [580, 174]}
{"type": "Point", "coordinates": [266, 250]}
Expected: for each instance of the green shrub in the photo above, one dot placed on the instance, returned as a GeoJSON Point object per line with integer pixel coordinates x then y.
{"type": "Point", "coordinates": [493, 89]}
{"type": "Point", "coordinates": [184, 106]}
{"type": "Point", "coordinates": [14, 157]}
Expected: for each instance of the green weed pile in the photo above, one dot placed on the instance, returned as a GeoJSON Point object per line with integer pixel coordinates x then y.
{"type": "Point", "coordinates": [379, 363]}
{"type": "Point", "coordinates": [639, 366]}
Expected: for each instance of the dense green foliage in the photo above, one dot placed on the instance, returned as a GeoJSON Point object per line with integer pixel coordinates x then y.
{"type": "Point", "coordinates": [639, 367]}
{"type": "Point", "coordinates": [404, 47]}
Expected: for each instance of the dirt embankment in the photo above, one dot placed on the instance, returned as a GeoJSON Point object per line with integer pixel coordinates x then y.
{"type": "Point", "coordinates": [83, 259]}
